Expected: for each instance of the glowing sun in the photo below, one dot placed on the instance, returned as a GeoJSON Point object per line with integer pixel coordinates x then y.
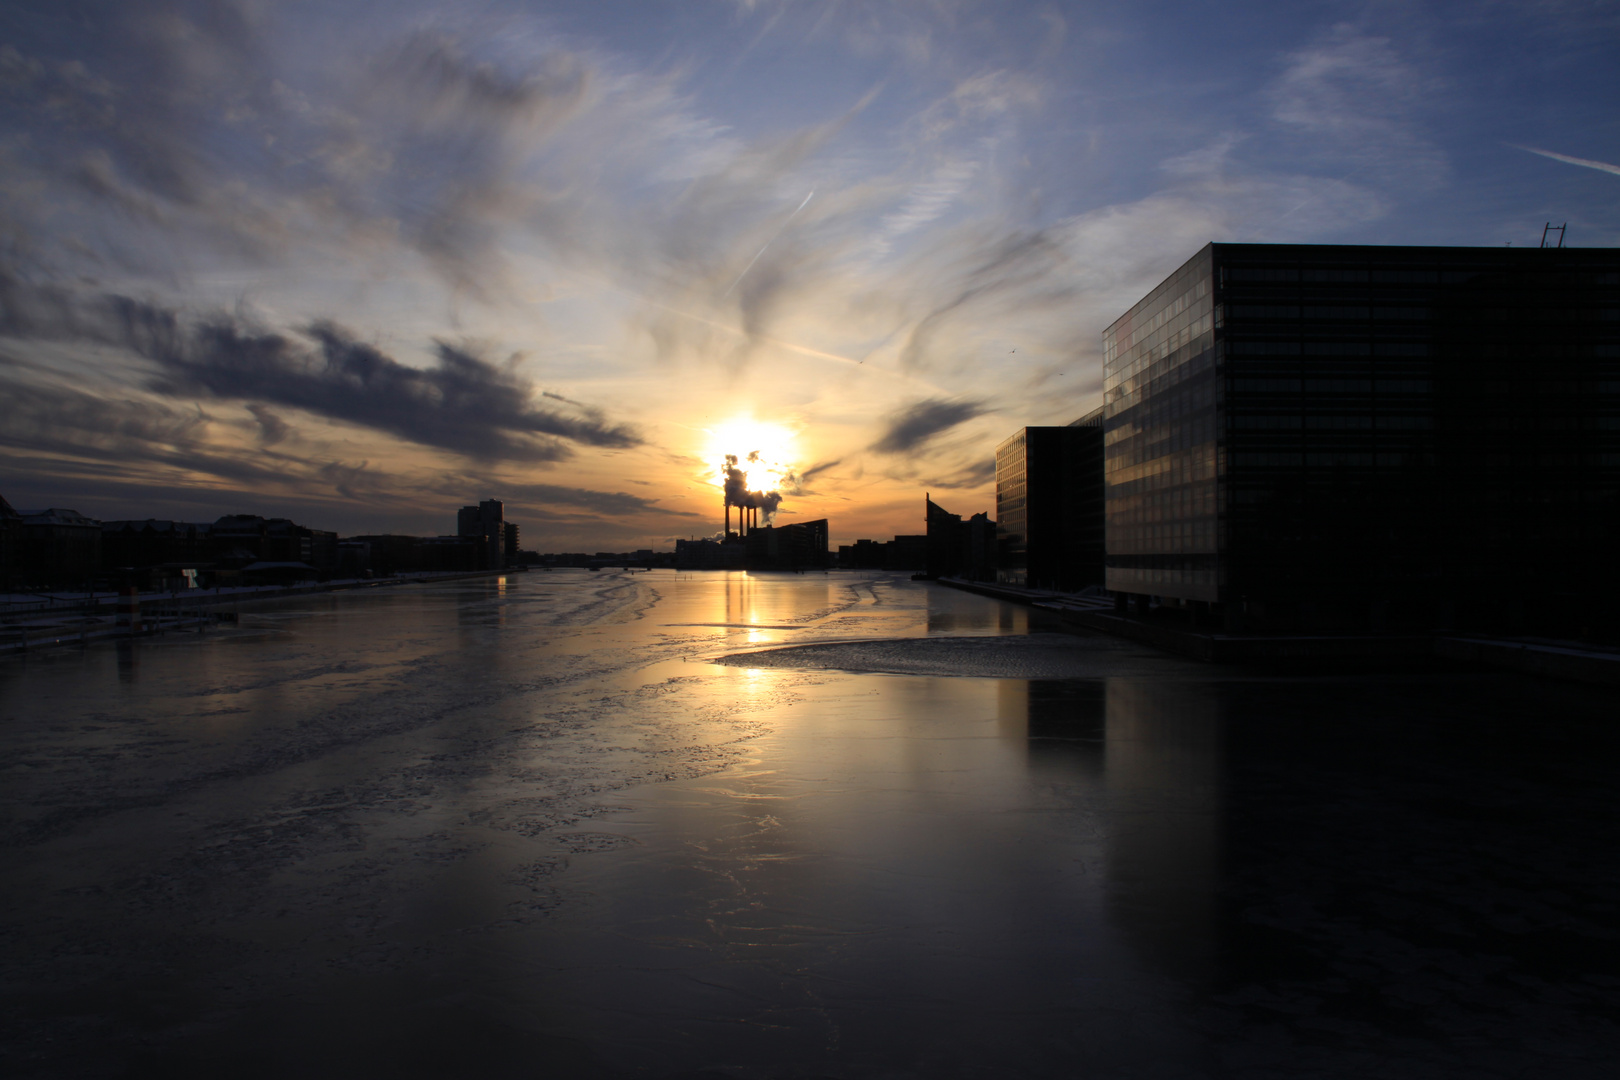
{"type": "Point", "coordinates": [743, 436]}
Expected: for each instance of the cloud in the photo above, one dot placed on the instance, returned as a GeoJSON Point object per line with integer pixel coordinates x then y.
{"type": "Point", "coordinates": [975, 475]}
{"type": "Point", "coordinates": [1360, 103]}
{"type": "Point", "coordinates": [797, 482]}
{"type": "Point", "coordinates": [605, 503]}
{"type": "Point", "coordinates": [913, 425]}
{"type": "Point", "coordinates": [272, 428]}
{"type": "Point", "coordinates": [1601, 166]}
{"type": "Point", "coordinates": [463, 403]}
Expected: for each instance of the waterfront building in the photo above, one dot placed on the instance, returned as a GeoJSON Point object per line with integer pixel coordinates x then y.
{"type": "Point", "coordinates": [10, 544]}
{"type": "Point", "coordinates": [958, 548]}
{"type": "Point", "coordinates": [731, 554]}
{"type": "Point", "coordinates": [149, 543]}
{"type": "Point", "coordinates": [60, 547]}
{"type": "Point", "coordinates": [1305, 436]}
{"type": "Point", "coordinates": [1049, 503]}
{"type": "Point", "coordinates": [799, 546]}
{"type": "Point", "coordinates": [487, 523]}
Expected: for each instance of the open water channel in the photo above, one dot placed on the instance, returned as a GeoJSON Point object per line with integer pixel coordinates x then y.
{"type": "Point", "coordinates": [527, 827]}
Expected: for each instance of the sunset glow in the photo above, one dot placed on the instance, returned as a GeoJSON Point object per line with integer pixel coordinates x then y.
{"type": "Point", "coordinates": [773, 444]}
{"type": "Point", "coordinates": [520, 250]}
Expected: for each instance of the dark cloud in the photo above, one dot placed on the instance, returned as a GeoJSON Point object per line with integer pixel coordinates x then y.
{"type": "Point", "coordinates": [798, 483]}
{"type": "Point", "coordinates": [915, 424]}
{"type": "Point", "coordinates": [971, 476]}
{"type": "Point", "coordinates": [272, 428]}
{"type": "Point", "coordinates": [464, 403]}
{"type": "Point", "coordinates": [59, 424]}
{"type": "Point", "coordinates": [606, 503]}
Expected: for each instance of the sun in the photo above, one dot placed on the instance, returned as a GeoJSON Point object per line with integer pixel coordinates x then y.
{"type": "Point", "coordinates": [744, 435]}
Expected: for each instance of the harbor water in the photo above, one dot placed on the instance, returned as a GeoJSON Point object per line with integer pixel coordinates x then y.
{"type": "Point", "coordinates": [554, 825]}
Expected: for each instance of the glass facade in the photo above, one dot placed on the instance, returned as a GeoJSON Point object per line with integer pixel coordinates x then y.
{"type": "Point", "coordinates": [1367, 437]}
{"type": "Point", "coordinates": [1012, 510]}
{"type": "Point", "coordinates": [1049, 506]}
{"type": "Point", "coordinates": [1161, 464]}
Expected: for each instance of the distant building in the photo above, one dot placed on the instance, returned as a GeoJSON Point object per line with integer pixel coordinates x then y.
{"type": "Point", "coordinates": [11, 539]}
{"type": "Point", "coordinates": [958, 548]}
{"type": "Point", "coordinates": [60, 547]}
{"type": "Point", "coordinates": [242, 539]}
{"type": "Point", "coordinates": [238, 538]}
{"type": "Point", "coordinates": [710, 555]}
{"type": "Point", "coordinates": [384, 554]}
{"type": "Point", "coordinates": [1367, 437]}
{"type": "Point", "coordinates": [799, 546]}
{"type": "Point", "coordinates": [487, 523]}
{"type": "Point", "coordinates": [907, 553]}
{"type": "Point", "coordinates": [1049, 506]}
{"type": "Point", "coordinates": [152, 543]}
{"type": "Point", "coordinates": [863, 555]}
{"type": "Point", "coordinates": [452, 554]}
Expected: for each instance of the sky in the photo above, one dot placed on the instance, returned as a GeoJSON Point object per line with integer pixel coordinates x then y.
{"type": "Point", "coordinates": [361, 263]}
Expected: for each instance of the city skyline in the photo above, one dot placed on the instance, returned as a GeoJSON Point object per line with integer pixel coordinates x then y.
{"type": "Point", "coordinates": [570, 256]}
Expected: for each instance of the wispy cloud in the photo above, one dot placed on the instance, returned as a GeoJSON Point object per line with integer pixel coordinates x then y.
{"type": "Point", "coordinates": [910, 427]}
{"type": "Point", "coordinates": [1601, 166]}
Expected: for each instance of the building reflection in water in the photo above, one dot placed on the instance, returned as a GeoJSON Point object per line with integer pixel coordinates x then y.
{"type": "Point", "coordinates": [1148, 753]}
{"type": "Point", "coordinates": [129, 660]}
{"type": "Point", "coordinates": [953, 612]}
{"type": "Point", "coordinates": [1164, 770]}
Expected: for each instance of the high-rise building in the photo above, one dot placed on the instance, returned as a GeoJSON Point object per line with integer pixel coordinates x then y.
{"type": "Point", "coordinates": [958, 548]}
{"type": "Point", "coordinates": [1325, 436]}
{"type": "Point", "coordinates": [1049, 506]}
{"type": "Point", "coordinates": [487, 522]}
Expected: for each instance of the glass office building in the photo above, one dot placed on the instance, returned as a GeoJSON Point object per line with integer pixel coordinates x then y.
{"type": "Point", "coordinates": [1049, 506]}
{"type": "Point", "coordinates": [1370, 437]}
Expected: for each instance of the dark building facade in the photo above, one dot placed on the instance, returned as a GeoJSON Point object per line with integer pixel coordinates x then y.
{"type": "Point", "coordinates": [1370, 437]}
{"type": "Point", "coordinates": [1049, 506]}
{"type": "Point", "coordinates": [149, 543]}
{"type": "Point", "coordinates": [487, 523]}
{"type": "Point", "coordinates": [59, 547]}
{"type": "Point", "coordinates": [958, 548]}
{"type": "Point", "coordinates": [799, 546]}
{"type": "Point", "coordinates": [10, 545]}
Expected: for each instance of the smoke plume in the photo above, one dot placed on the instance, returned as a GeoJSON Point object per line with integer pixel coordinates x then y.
{"type": "Point", "coordinates": [737, 493]}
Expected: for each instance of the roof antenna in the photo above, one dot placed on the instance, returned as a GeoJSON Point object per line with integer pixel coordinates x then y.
{"type": "Point", "coordinates": [1551, 228]}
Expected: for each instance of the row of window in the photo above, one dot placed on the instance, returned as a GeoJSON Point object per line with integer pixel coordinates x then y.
{"type": "Point", "coordinates": [1332, 386]}
{"type": "Point", "coordinates": [1289, 460]}
{"type": "Point", "coordinates": [1341, 314]}
{"type": "Point", "coordinates": [1327, 348]}
{"type": "Point", "coordinates": [1231, 274]}
{"type": "Point", "coordinates": [1293, 421]}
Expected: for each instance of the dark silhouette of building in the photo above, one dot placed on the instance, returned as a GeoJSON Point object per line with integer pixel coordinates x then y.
{"type": "Point", "coordinates": [11, 538]}
{"type": "Point", "coordinates": [385, 554]}
{"type": "Point", "coordinates": [242, 539]}
{"type": "Point", "coordinates": [1049, 506]}
{"type": "Point", "coordinates": [149, 543]}
{"type": "Point", "coordinates": [864, 555]}
{"type": "Point", "coordinates": [1368, 437]}
{"type": "Point", "coordinates": [487, 522]}
{"type": "Point", "coordinates": [799, 546]}
{"type": "Point", "coordinates": [710, 555]}
{"type": "Point", "coordinates": [958, 548]}
{"type": "Point", "coordinates": [454, 554]}
{"type": "Point", "coordinates": [59, 547]}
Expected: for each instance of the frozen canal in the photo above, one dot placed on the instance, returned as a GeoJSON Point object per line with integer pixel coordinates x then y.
{"type": "Point", "coordinates": [526, 828]}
